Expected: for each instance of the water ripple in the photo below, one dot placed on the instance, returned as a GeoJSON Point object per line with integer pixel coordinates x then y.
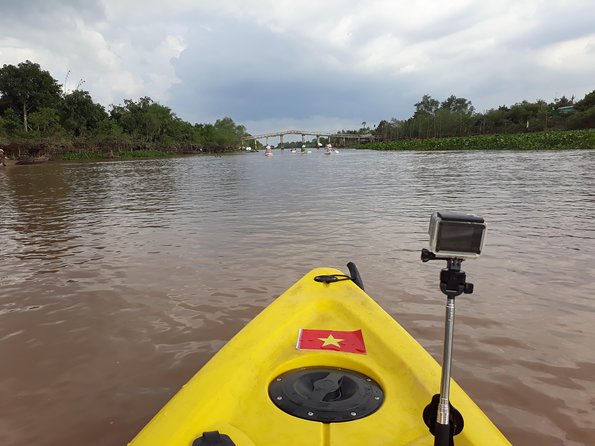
{"type": "Point", "coordinates": [119, 280]}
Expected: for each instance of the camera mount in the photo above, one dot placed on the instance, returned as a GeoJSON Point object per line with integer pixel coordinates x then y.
{"type": "Point", "coordinates": [452, 278]}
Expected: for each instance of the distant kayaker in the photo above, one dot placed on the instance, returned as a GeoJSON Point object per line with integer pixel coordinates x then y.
{"type": "Point", "coordinates": [2, 158]}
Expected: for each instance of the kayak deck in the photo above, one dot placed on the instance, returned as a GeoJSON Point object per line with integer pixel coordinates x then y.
{"type": "Point", "coordinates": [230, 394]}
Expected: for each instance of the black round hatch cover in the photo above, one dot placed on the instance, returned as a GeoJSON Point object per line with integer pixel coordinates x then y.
{"type": "Point", "coordinates": [326, 394]}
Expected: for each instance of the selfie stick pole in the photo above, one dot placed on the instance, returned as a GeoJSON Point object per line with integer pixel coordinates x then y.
{"type": "Point", "coordinates": [452, 283]}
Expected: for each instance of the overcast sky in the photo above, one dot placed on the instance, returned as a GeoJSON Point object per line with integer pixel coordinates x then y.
{"type": "Point", "coordinates": [320, 65]}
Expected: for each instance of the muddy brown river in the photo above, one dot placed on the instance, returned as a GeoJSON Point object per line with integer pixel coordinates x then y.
{"type": "Point", "coordinates": [119, 280]}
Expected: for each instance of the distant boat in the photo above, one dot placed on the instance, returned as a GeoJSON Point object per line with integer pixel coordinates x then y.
{"type": "Point", "coordinates": [329, 148]}
{"type": "Point", "coordinates": [268, 151]}
{"type": "Point", "coordinates": [37, 160]}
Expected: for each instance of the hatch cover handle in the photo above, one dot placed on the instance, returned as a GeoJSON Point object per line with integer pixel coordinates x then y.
{"type": "Point", "coordinates": [213, 439]}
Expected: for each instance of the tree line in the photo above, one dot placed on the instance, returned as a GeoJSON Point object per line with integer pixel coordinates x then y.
{"type": "Point", "coordinates": [456, 117]}
{"type": "Point", "coordinates": [36, 114]}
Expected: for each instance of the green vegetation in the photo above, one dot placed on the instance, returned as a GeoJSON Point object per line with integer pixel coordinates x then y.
{"type": "Point", "coordinates": [38, 119]}
{"type": "Point", "coordinates": [81, 155]}
{"type": "Point", "coordinates": [454, 124]}
{"type": "Point", "coordinates": [552, 140]}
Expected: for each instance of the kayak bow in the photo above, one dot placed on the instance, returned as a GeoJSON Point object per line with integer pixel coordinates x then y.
{"type": "Point", "coordinates": [322, 365]}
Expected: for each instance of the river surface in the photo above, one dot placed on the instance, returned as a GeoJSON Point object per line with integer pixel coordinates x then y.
{"type": "Point", "coordinates": [119, 280]}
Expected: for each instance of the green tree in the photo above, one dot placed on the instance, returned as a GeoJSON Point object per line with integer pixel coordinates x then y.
{"type": "Point", "coordinates": [521, 114]}
{"type": "Point", "coordinates": [10, 121]}
{"type": "Point", "coordinates": [144, 119]}
{"type": "Point", "coordinates": [563, 102]}
{"type": "Point", "coordinates": [458, 105]}
{"type": "Point", "coordinates": [427, 105]}
{"type": "Point", "coordinates": [387, 130]}
{"type": "Point", "coordinates": [227, 133]}
{"type": "Point", "coordinates": [204, 134]}
{"type": "Point", "coordinates": [587, 102]}
{"type": "Point", "coordinates": [585, 113]}
{"type": "Point", "coordinates": [155, 119]}
{"type": "Point", "coordinates": [79, 114]}
{"type": "Point", "coordinates": [455, 116]}
{"type": "Point", "coordinates": [46, 121]}
{"type": "Point", "coordinates": [424, 123]}
{"type": "Point", "coordinates": [582, 120]}
{"type": "Point", "coordinates": [383, 130]}
{"type": "Point", "coordinates": [110, 134]}
{"type": "Point", "coordinates": [496, 120]}
{"type": "Point", "coordinates": [27, 88]}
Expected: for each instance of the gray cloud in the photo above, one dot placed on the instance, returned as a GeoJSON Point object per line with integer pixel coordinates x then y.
{"type": "Point", "coordinates": [267, 63]}
{"type": "Point", "coordinates": [50, 11]}
{"type": "Point", "coordinates": [258, 74]}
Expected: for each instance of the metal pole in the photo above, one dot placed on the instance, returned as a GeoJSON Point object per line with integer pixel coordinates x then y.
{"type": "Point", "coordinates": [442, 428]}
{"type": "Point", "coordinates": [443, 407]}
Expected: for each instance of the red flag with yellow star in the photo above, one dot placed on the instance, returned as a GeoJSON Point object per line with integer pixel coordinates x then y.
{"type": "Point", "coordinates": [337, 340]}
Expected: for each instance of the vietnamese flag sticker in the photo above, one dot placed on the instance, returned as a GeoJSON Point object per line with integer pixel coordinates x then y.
{"type": "Point", "coordinates": [336, 340]}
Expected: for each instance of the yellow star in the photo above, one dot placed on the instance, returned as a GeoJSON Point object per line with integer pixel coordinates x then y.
{"type": "Point", "coordinates": [330, 340]}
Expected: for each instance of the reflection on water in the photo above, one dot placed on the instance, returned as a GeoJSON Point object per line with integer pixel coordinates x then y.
{"type": "Point", "coordinates": [119, 280]}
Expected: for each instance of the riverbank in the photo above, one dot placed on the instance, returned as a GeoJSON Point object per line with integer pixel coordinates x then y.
{"type": "Point", "coordinates": [27, 150]}
{"type": "Point", "coordinates": [551, 140]}
{"type": "Point", "coordinates": [9, 163]}
{"type": "Point", "coordinates": [111, 155]}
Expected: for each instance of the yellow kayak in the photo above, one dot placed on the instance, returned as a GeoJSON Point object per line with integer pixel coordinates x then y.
{"type": "Point", "coordinates": [322, 365]}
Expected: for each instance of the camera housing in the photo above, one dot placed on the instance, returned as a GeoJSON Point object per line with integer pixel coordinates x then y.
{"type": "Point", "coordinates": [456, 235]}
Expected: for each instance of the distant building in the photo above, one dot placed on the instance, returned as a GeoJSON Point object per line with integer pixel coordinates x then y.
{"type": "Point", "coordinates": [565, 110]}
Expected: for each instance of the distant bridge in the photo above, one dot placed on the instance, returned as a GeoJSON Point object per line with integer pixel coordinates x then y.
{"type": "Point", "coordinates": [342, 137]}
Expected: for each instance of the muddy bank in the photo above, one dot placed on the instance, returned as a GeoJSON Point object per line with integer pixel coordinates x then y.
{"type": "Point", "coordinates": [41, 150]}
